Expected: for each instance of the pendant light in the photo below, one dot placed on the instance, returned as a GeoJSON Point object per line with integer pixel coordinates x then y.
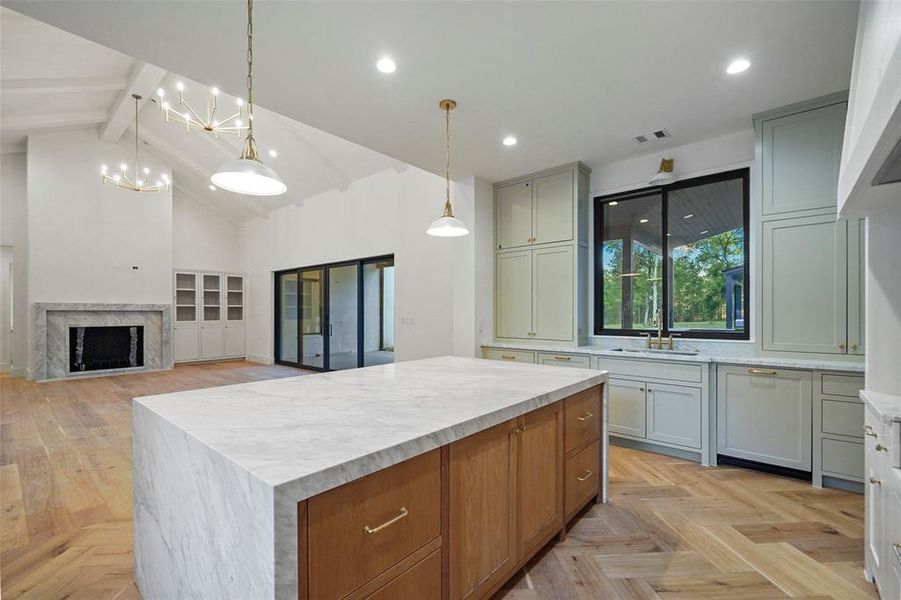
{"type": "Point", "coordinates": [448, 225]}
{"type": "Point", "coordinates": [248, 174]}
{"type": "Point", "coordinates": [139, 182]}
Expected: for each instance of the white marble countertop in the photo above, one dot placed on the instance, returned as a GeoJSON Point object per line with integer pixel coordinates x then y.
{"type": "Point", "coordinates": [887, 405]}
{"type": "Point", "coordinates": [701, 357]}
{"type": "Point", "coordinates": [315, 432]}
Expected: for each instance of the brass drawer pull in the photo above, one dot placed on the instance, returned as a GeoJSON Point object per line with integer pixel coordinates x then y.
{"type": "Point", "coordinates": [881, 448]}
{"type": "Point", "coordinates": [508, 357]}
{"type": "Point", "coordinates": [762, 371]}
{"type": "Point", "coordinates": [519, 429]}
{"type": "Point", "coordinates": [586, 416]}
{"type": "Point", "coordinates": [867, 430]}
{"type": "Point", "coordinates": [562, 358]}
{"type": "Point", "coordinates": [403, 513]}
{"type": "Point", "coordinates": [875, 481]}
{"type": "Point", "coordinates": [586, 475]}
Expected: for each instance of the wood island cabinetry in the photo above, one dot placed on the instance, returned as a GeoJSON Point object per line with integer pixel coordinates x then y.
{"type": "Point", "coordinates": [456, 522]}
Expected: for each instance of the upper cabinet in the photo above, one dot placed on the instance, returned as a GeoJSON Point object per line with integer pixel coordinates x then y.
{"type": "Point", "coordinates": [541, 257]}
{"type": "Point", "coordinates": [801, 154]}
{"type": "Point", "coordinates": [535, 211]}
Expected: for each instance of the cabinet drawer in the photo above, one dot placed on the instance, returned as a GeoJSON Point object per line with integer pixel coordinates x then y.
{"type": "Point", "coordinates": [649, 369]}
{"type": "Point", "coordinates": [582, 419]}
{"type": "Point", "coordinates": [372, 523]}
{"type": "Point", "coordinates": [581, 474]}
{"type": "Point", "coordinates": [842, 385]}
{"type": "Point", "coordinates": [509, 355]}
{"type": "Point", "coordinates": [843, 458]}
{"type": "Point", "coordinates": [423, 580]}
{"type": "Point", "coordinates": [843, 418]}
{"type": "Point", "coordinates": [564, 360]}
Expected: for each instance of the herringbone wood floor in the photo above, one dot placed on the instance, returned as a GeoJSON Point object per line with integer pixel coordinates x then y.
{"type": "Point", "coordinates": [673, 529]}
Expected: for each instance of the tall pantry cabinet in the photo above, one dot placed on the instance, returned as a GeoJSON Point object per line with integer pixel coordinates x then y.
{"type": "Point", "coordinates": [811, 262]}
{"type": "Point", "coordinates": [209, 316]}
{"type": "Point", "coordinates": [541, 256]}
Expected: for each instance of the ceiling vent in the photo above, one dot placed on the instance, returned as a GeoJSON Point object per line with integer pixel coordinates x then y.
{"type": "Point", "coordinates": [657, 134]}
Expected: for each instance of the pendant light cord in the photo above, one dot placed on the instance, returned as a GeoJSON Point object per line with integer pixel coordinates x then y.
{"type": "Point", "coordinates": [250, 149]}
{"type": "Point", "coordinates": [136, 139]}
{"type": "Point", "coordinates": [448, 210]}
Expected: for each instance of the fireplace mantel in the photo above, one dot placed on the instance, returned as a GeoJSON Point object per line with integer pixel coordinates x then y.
{"type": "Point", "coordinates": [51, 321]}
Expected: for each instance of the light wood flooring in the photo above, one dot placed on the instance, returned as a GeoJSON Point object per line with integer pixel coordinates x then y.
{"type": "Point", "coordinates": [672, 529]}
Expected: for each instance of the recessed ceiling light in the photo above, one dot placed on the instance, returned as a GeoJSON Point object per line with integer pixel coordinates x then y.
{"type": "Point", "coordinates": [273, 153]}
{"type": "Point", "coordinates": [386, 65]}
{"type": "Point", "coordinates": [212, 188]}
{"type": "Point", "coordinates": [643, 221]}
{"type": "Point", "coordinates": [739, 65]}
{"type": "Point", "coordinates": [612, 203]}
{"type": "Point", "coordinates": [688, 216]}
{"type": "Point", "coordinates": [510, 141]}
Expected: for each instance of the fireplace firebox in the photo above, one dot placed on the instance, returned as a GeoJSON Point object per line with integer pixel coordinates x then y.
{"type": "Point", "coordinates": [106, 348]}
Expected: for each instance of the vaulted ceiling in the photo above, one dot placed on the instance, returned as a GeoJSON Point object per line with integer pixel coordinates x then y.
{"type": "Point", "coordinates": [571, 80]}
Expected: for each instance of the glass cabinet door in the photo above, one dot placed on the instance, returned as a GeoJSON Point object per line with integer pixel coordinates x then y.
{"type": "Point", "coordinates": [212, 300]}
{"type": "Point", "coordinates": [234, 287]}
{"type": "Point", "coordinates": [185, 297]}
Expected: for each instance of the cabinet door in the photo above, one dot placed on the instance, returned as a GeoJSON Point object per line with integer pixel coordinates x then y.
{"type": "Point", "coordinates": [186, 341]}
{"type": "Point", "coordinates": [801, 154]}
{"type": "Point", "coordinates": [857, 272]}
{"type": "Point", "coordinates": [211, 341]}
{"type": "Point", "coordinates": [539, 476]}
{"type": "Point", "coordinates": [482, 507]}
{"type": "Point", "coordinates": [765, 415]}
{"type": "Point", "coordinates": [234, 340]}
{"type": "Point", "coordinates": [804, 285]}
{"type": "Point", "coordinates": [626, 407]}
{"type": "Point", "coordinates": [552, 293]}
{"type": "Point", "coordinates": [674, 414]}
{"type": "Point", "coordinates": [513, 215]}
{"type": "Point", "coordinates": [211, 298]}
{"type": "Point", "coordinates": [186, 298]}
{"type": "Point", "coordinates": [513, 280]}
{"type": "Point", "coordinates": [553, 208]}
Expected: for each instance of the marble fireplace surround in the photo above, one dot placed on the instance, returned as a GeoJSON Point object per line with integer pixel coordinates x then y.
{"type": "Point", "coordinates": [50, 351]}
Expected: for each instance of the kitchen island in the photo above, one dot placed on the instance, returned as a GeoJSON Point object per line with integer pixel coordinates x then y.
{"type": "Point", "coordinates": [429, 478]}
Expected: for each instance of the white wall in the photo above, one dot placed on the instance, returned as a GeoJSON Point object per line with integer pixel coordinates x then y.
{"type": "Point", "coordinates": [883, 293]}
{"type": "Point", "coordinates": [86, 237]}
{"type": "Point", "coordinates": [14, 233]}
{"type": "Point", "coordinates": [203, 240]}
{"type": "Point", "coordinates": [386, 213]}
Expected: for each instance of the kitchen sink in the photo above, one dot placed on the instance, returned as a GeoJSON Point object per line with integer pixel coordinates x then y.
{"type": "Point", "coordinates": [658, 351]}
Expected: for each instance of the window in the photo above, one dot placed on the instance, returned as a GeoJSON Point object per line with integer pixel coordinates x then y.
{"type": "Point", "coordinates": [676, 253]}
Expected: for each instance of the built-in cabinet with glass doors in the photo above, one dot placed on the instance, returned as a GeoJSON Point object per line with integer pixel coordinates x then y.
{"type": "Point", "coordinates": [209, 316]}
{"type": "Point", "coordinates": [335, 316]}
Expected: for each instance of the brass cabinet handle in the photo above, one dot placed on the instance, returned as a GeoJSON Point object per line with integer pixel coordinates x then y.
{"type": "Point", "coordinates": [881, 448]}
{"type": "Point", "coordinates": [762, 371]}
{"type": "Point", "coordinates": [519, 429]}
{"type": "Point", "coordinates": [586, 416]}
{"type": "Point", "coordinates": [508, 357]}
{"type": "Point", "coordinates": [841, 346]}
{"type": "Point", "coordinates": [388, 523]}
{"type": "Point", "coordinates": [867, 430]}
{"type": "Point", "coordinates": [562, 358]}
{"type": "Point", "coordinates": [853, 346]}
{"type": "Point", "coordinates": [875, 481]}
{"type": "Point", "coordinates": [586, 475]}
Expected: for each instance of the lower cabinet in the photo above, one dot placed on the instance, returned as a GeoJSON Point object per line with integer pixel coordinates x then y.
{"type": "Point", "coordinates": [456, 522]}
{"type": "Point", "coordinates": [522, 356]}
{"type": "Point", "coordinates": [626, 406]}
{"type": "Point", "coordinates": [882, 534]}
{"type": "Point", "coordinates": [212, 340]}
{"type": "Point", "coordinates": [674, 414]}
{"type": "Point", "coordinates": [765, 415]}
{"type": "Point", "coordinates": [838, 438]}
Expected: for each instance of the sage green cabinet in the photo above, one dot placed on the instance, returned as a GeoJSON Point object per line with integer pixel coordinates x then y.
{"type": "Point", "coordinates": [552, 293]}
{"type": "Point", "coordinates": [626, 405]}
{"type": "Point", "coordinates": [801, 154]}
{"type": "Point", "coordinates": [513, 215]}
{"type": "Point", "coordinates": [765, 415]}
{"type": "Point", "coordinates": [513, 283]}
{"type": "Point", "coordinates": [537, 211]}
{"type": "Point", "coordinates": [674, 414]}
{"type": "Point", "coordinates": [857, 273]}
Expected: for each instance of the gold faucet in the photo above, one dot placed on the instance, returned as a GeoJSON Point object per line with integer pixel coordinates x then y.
{"type": "Point", "coordinates": [659, 341]}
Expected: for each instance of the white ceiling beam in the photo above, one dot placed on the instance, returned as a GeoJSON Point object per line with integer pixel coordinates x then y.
{"type": "Point", "coordinates": [61, 85]}
{"type": "Point", "coordinates": [143, 81]}
{"type": "Point", "coordinates": [31, 123]}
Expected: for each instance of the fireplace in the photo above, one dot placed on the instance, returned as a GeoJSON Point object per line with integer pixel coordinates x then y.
{"type": "Point", "coordinates": [105, 348]}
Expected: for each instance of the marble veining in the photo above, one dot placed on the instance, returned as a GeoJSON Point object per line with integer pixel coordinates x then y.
{"type": "Point", "coordinates": [887, 406]}
{"type": "Point", "coordinates": [50, 347]}
{"type": "Point", "coordinates": [721, 359]}
{"type": "Point", "coordinates": [301, 436]}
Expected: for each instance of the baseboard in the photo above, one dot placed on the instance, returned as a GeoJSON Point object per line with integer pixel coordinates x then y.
{"type": "Point", "coordinates": [18, 371]}
{"type": "Point", "coordinates": [842, 484]}
{"type": "Point", "coordinates": [657, 449]}
{"type": "Point", "coordinates": [261, 358]}
{"type": "Point", "coordinates": [766, 468]}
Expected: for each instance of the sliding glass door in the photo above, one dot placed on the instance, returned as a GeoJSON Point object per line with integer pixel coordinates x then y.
{"type": "Point", "coordinates": [336, 316]}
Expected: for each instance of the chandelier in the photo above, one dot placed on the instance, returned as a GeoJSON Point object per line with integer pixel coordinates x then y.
{"type": "Point", "coordinates": [448, 225]}
{"type": "Point", "coordinates": [139, 181]}
{"type": "Point", "coordinates": [247, 174]}
{"type": "Point", "coordinates": [190, 118]}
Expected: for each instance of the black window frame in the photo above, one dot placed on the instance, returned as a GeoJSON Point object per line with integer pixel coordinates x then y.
{"type": "Point", "coordinates": [745, 175]}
